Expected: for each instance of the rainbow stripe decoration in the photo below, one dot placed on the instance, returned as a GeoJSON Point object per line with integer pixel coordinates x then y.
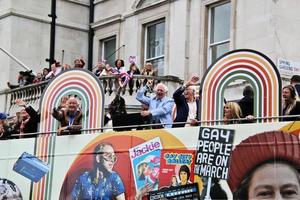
{"type": "Point", "coordinates": [249, 65]}
{"type": "Point", "coordinates": [77, 82]}
{"type": "Point", "coordinates": [88, 89]}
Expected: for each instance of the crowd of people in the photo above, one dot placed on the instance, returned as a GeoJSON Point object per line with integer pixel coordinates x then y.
{"type": "Point", "coordinates": [124, 78]}
{"type": "Point", "coordinates": [122, 81]}
{"type": "Point", "coordinates": [159, 110]}
{"type": "Point", "coordinates": [27, 77]}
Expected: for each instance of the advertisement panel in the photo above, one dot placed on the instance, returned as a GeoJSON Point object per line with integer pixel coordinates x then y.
{"type": "Point", "coordinates": [99, 165]}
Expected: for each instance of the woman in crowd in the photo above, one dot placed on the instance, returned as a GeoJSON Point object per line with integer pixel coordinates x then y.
{"type": "Point", "coordinates": [290, 104]}
{"type": "Point", "coordinates": [148, 71]}
{"type": "Point", "coordinates": [38, 78]}
{"type": "Point", "coordinates": [100, 68]}
{"type": "Point", "coordinates": [28, 120]}
{"type": "Point", "coordinates": [133, 70]}
{"type": "Point", "coordinates": [122, 76]}
{"type": "Point", "coordinates": [101, 182]}
{"type": "Point", "coordinates": [107, 71]}
{"type": "Point", "coordinates": [79, 63]}
{"type": "Point", "coordinates": [45, 73]}
{"type": "Point", "coordinates": [267, 170]}
{"type": "Point", "coordinates": [55, 70]}
{"type": "Point", "coordinates": [232, 113]}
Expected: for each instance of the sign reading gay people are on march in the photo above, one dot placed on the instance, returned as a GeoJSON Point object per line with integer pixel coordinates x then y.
{"type": "Point", "coordinates": [213, 152]}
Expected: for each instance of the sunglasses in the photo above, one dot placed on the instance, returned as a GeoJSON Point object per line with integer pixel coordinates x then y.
{"type": "Point", "coordinates": [109, 157]}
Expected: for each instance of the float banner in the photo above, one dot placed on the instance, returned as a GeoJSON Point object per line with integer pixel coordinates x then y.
{"type": "Point", "coordinates": [214, 148]}
{"type": "Point", "coordinates": [186, 192]}
{"type": "Point", "coordinates": [145, 163]}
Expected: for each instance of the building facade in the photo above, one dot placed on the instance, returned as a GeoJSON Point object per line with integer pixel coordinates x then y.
{"type": "Point", "coordinates": [25, 33]}
{"type": "Point", "coordinates": [183, 37]}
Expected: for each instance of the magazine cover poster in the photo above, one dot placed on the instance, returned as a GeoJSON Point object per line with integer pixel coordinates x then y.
{"type": "Point", "coordinates": [176, 167]}
{"type": "Point", "coordinates": [145, 161]}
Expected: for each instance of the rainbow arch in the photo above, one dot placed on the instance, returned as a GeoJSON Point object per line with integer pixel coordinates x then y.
{"type": "Point", "coordinates": [77, 82]}
{"type": "Point", "coordinates": [86, 87]}
{"type": "Point", "coordinates": [254, 67]}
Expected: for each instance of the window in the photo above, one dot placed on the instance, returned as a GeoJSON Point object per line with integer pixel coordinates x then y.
{"type": "Point", "coordinates": [108, 50]}
{"type": "Point", "coordinates": [155, 45]}
{"type": "Point", "coordinates": [219, 31]}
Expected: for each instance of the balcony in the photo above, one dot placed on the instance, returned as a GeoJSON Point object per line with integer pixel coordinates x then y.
{"type": "Point", "coordinates": [32, 93]}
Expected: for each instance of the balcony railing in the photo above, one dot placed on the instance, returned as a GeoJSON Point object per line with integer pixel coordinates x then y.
{"type": "Point", "coordinates": [32, 93]}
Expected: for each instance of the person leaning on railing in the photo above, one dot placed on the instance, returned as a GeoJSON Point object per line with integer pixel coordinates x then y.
{"type": "Point", "coordinates": [133, 70]}
{"type": "Point", "coordinates": [107, 84]}
{"type": "Point", "coordinates": [28, 122]}
{"type": "Point", "coordinates": [232, 113]}
{"type": "Point", "coordinates": [55, 70]}
{"type": "Point", "coordinates": [290, 103]}
{"type": "Point", "coordinates": [70, 118]}
{"type": "Point", "coordinates": [148, 71]}
{"type": "Point", "coordinates": [160, 106]}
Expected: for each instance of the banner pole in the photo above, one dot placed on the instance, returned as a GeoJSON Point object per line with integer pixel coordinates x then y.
{"type": "Point", "coordinates": [207, 197]}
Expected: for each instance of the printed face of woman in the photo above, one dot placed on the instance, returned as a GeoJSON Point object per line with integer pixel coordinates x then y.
{"type": "Point", "coordinates": [276, 181]}
{"type": "Point", "coordinates": [109, 158]}
{"type": "Point", "coordinates": [147, 170]}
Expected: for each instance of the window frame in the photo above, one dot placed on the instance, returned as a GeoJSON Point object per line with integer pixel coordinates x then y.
{"type": "Point", "coordinates": [209, 32]}
{"type": "Point", "coordinates": [102, 45]}
{"type": "Point", "coordinates": [158, 21]}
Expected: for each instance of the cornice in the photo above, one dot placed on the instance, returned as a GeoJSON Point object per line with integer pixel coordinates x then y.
{"type": "Point", "coordinates": [138, 9]}
{"type": "Point", "coordinates": [99, 1]}
{"type": "Point", "coordinates": [79, 2]}
{"type": "Point", "coordinates": [42, 19]}
{"type": "Point", "coordinates": [107, 21]}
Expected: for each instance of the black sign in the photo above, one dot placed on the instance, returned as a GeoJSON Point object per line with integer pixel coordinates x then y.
{"type": "Point", "coordinates": [185, 192]}
{"type": "Point", "coordinates": [213, 152]}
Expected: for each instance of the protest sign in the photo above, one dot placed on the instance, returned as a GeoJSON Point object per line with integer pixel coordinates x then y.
{"type": "Point", "coordinates": [213, 152]}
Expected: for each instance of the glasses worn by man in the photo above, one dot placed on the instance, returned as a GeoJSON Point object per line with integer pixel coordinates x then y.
{"type": "Point", "coordinates": [109, 157]}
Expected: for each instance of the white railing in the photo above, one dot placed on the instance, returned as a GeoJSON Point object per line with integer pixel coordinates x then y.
{"type": "Point", "coordinates": [31, 94]}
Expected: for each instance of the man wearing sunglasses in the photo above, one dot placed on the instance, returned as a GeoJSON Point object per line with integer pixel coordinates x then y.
{"type": "Point", "coordinates": [101, 182]}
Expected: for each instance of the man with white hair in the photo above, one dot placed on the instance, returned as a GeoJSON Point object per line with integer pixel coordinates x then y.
{"type": "Point", "coordinates": [160, 106]}
{"type": "Point", "coordinates": [69, 118]}
{"type": "Point", "coordinates": [187, 105]}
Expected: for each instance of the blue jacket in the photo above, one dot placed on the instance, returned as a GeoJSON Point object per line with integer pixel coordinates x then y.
{"type": "Point", "coordinates": [161, 109]}
{"type": "Point", "coordinates": [182, 107]}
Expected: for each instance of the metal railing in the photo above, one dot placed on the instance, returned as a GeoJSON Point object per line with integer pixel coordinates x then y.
{"type": "Point", "coordinates": [31, 94]}
{"type": "Point", "coordinates": [149, 126]}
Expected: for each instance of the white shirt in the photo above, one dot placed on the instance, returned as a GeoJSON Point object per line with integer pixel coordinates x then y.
{"type": "Point", "coordinates": [192, 112]}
